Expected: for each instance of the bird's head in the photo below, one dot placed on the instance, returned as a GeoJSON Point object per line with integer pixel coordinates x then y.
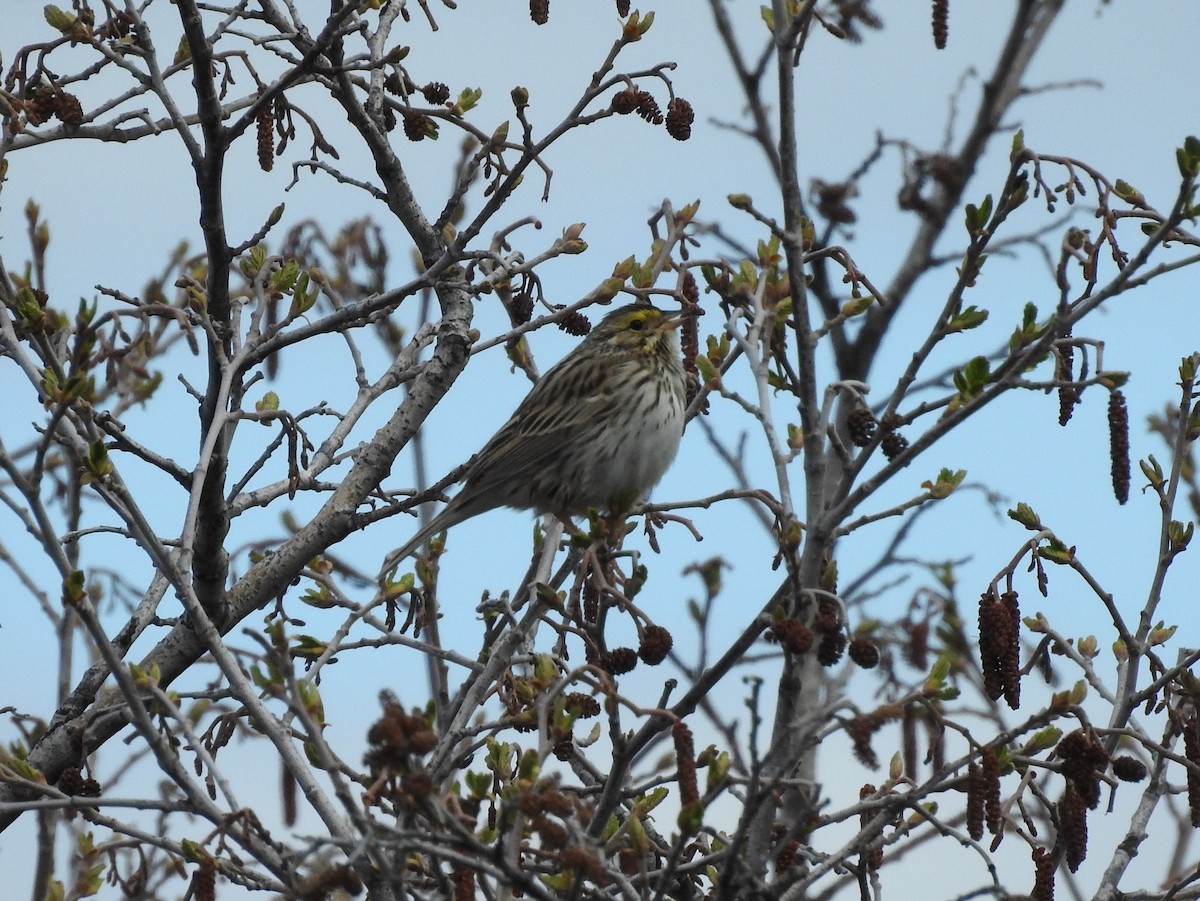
{"type": "Point", "coordinates": [637, 327]}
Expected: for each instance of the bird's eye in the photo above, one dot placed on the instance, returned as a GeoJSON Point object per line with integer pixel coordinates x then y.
{"type": "Point", "coordinates": [637, 324]}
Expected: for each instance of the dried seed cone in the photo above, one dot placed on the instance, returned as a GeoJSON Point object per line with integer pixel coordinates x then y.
{"type": "Point", "coordinates": [655, 645]}
{"type": "Point", "coordinates": [679, 119]}
{"type": "Point", "coordinates": [861, 426]}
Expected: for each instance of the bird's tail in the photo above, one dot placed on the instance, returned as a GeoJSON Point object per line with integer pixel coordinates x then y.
{"type": "Point", "coordinates": [435, 525]}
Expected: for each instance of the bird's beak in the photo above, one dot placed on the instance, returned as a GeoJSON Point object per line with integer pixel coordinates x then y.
{"type": "Point", "coordinates": [668, 323]}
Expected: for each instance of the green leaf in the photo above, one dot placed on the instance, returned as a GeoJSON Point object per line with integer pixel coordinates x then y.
{"type": "Point", "coordinates": [971, 317]}
{"type": "Point", "coordinates": [73, 593]}
{"type": "Point", "coordinates": [270, 401]}
{"type": "Point", "coordinates": [1042, 740]}
{"type": "Point", "coordinates": [1179, 535]}
{"type": "Point", "coordinates": [1018, 144]}
{"type": "Point", "coordinates": [285, 277]}
{"type": "Point", "coordinates": [1057, 552]}
{"type": "Point", "coordinates": [1152, 470]}
{"type": "Point", "coordinates": [1128, 192]}
{"type": "Point", "coordinates": [1160, 634]}
{"type": "Point", "coordinates": [548, 595]}
{"type": "Point", "coordinates": [978, 216]}
{"type": "Point", "coordinates": [649, 801]}
{"type": "Point", "coordinates": [97, 465]}
{"type": "Point", "coordinates": [945, 483]}
{"type": "Point", "coordinates": [1025, 516]}
{"type": "Point", "coordinates": [468, 99]}
{"type": "Point", "coordinates": [691, 818]}
{"type": "Point", "coordinates": [972, 378]}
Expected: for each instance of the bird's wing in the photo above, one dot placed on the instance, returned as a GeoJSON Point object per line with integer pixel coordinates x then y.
{"type": "Point", "coordinates": [541, 425]}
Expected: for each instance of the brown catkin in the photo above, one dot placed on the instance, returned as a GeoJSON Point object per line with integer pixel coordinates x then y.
{"type": "Point", "coordinates": [990, 649]}
{"type": "Point", "coordinates": [908, 740]}
{"type": "Point", "coordinates": [464, 882]}
{"type": "Point", "coordinates": [976, 799]}
{"type": "Point", "coordinates": [941, 23]}
{"type": "Point", "coordinates": [1072, 820]}
{"type": "Point", "coordinates": [1064, 371]}
{"type": "Point", "coordinates": [860, 729]}
{"type": "Point", "coordinates": [1082, 761]}
{"type": "Point", "coordinates": [1191, 750]}
{"type": "Point", "coordinates": [685, 763]}
{"type": "Point", "coordinates": [1010, 665]}
{"type": "Point", "coordinates": [916, 651]}
{"type": "Point", "coordinates": [204, 880]}
{"type": "Point", "coordinates": [287, 794]}
{"type": "Point", "coordinates": [1118, 444]}
{"type": "Point", "coordinates": [1043, 876]}
{"type": "Point", "coordinates": [539, 11]}
{"type": "Point", "coordinates": [265, 124]}
{"type": "Point", "coordinates": [990, 765]}
{"type": "Point", "coordinates": [872, 859]}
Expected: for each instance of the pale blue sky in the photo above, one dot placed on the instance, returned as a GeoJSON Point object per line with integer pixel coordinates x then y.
{"type": "Point", "coordinates": [115, 212]}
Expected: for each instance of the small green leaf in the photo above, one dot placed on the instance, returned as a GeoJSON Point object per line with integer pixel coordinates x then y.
{"type": "Point", "coordinates": [468, 99]}
{"type": "Point", "coordinates": [971, 317]}
{"type": "Point", "coordinates": [1025, 516]}
{"type": "Point", "coordinates": [1128, 192]}
{"type": "Point", "coordinates": [548, 595]}
{"type": "Point", "coordinates": [1153, 471]}
{"type": "Point", "coordinates": [285, 277]}
{"type": "Point", "coordinates": [73, 591]}
{"type": "Point", "coordinates": [1179, 535]}
{"type": "Point", "coordinates": [1042, 740]}
{"type": "Point", "coordinates": [1057, 552]}
{"type": "Point", "coordinates": [1018, 143]}
{"type": "Point", "coordinates": [945, 483]}
{"type": "Point", "coordinates": [193, 852]}
{"type": "Point", "coordinates": [97, 465]}
{"type": "Point", "coordinates": [1160, 634]}
{"type": "Point", "coordinates": [270, 401]}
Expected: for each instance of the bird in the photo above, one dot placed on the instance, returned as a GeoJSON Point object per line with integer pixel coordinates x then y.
{"type": "Point", "coordinates": [598, 430]}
